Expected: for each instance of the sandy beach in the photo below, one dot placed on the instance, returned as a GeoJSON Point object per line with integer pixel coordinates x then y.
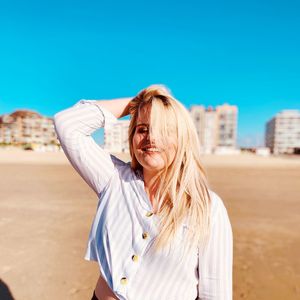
{"type": "Point", "coordinates": [46, 210]}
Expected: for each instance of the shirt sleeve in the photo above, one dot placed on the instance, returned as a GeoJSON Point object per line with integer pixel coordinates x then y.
{"type": "Point", "coordinates": [215, 259]}
{"type": "Point", "coordinates": [74, 127]}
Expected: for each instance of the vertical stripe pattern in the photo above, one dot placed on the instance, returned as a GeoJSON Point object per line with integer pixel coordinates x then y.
{"type": "Point", "coordinates": [123, 231]}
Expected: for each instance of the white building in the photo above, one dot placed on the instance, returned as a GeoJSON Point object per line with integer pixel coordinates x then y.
{"type": "Point", "coordinates": [210, 131]}
{"type": "Point", "coordinates": [197, 113]}
{"type": "Point", "coordinates": [283, 132]}
{"type": "Point", "coordinates": [262, 151]}
{"type": "Point", "coordinates": [116, 137]}
{"type": "Point", "coordinates": [227, 126]}
{"type": "Point", "coordinates": [216, 128]}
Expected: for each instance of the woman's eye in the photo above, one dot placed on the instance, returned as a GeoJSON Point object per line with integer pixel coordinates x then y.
{"type": "Point", "coordinates": [142, 130]}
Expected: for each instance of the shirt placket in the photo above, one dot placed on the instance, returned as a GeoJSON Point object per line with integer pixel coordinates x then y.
{"type": "Point", "coordinates": [144, 237]}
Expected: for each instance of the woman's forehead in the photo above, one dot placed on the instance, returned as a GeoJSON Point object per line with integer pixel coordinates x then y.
{"type": "Point", "coordinates": [144, 114]}
{"type": "Point", "coordinates": [144, 117]}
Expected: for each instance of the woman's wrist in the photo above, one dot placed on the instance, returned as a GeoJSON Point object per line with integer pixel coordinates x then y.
{"type": "Point", "coordinates": [118, 107]}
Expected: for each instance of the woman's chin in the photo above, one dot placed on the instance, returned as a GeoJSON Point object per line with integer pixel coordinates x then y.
{"type": "Point", "coordinates": [152, 166]}
{"type": "Point", "coordinates": [151, 161]}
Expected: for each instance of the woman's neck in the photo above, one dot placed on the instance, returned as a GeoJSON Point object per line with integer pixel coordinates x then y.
{"type": "Point", "coordinates": [151, 184]}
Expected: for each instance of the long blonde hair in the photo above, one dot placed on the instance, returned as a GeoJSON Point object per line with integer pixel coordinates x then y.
{"type": "Point", "coordinates": [183, 189]}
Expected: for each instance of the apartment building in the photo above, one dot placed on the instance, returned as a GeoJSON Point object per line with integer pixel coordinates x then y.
{"type": "Point", "coordinates": [209, 138]}
{"type": "Point", "coordinates": [197, 113]}
{"type": "Point", "coordinates": [216, 128]}
{"type": "Point", "coordinates": [226, 126]}
{"type": "Point", "coordinates": [28, 127]}
{"type": "Point", "coordinates": [283, 132]}
{"type": "Point", "coordinates": [116, 137]}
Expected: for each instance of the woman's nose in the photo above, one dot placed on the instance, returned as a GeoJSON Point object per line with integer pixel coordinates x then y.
{"type": "Point", "coordinates": [151, 140]}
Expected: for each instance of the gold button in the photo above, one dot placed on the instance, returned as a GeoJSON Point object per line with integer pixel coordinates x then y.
{"type": "Point", "coordinates": [149, 214]}
{"type": "Point", "coordinates": [123, 280]}
{"type": "Point", "coordinates": [134, 257]}
{"type": "Point", "coordinates": [145, 235]}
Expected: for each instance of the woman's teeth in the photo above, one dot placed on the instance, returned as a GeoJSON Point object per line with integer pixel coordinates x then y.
{"type": "Point", "coordinates": [151, 149]}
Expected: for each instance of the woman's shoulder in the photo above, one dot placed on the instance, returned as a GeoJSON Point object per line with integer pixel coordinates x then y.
{"type": "Point", "coordinates": [124, 169]}
{"type": "Point", "coordinates": [119, 163]}
{"type": "Point", "coordinates": [215, 198]}
{"type": "Point", "coordinates": [217, 204]}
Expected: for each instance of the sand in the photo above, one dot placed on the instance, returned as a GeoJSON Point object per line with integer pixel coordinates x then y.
{"type": "Point", "coordinates": [46, 211]}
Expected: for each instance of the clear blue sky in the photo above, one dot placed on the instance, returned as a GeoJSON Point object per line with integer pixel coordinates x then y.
{"type": "Point", "coordinates": [53, 53]}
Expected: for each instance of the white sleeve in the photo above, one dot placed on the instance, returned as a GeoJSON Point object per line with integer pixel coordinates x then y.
{"type": "Point", "coordinates": [74, 127]}
{"type": "Point", "coordinates": [215, 260]}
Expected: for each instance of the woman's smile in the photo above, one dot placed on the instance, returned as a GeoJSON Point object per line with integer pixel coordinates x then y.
{"type": "Point", "coordinates": [150, 149]}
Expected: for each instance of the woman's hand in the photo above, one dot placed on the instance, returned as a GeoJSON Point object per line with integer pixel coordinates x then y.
{"type": "Point", "coordinates": [118, 107]}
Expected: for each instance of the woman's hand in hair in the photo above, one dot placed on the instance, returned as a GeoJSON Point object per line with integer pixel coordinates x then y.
{"type": "Point", "coordinates": [118, 107]}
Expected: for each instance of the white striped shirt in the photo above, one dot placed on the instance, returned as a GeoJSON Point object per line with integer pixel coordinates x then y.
{"type": "Point", "coordinates": [124, 228]}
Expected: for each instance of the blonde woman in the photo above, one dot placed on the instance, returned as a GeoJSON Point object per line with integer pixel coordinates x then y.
{"type": "Point", "coordinates": [159, 232]}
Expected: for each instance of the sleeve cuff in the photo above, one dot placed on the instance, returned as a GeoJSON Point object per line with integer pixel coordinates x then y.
{"type": "Point", "coordinates": [109, 118]}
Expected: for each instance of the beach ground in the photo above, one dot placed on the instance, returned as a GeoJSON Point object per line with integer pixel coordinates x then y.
{"type": "Point", "coordinates": [46, 210]}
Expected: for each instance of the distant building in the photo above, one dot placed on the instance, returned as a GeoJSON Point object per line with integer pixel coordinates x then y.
{"type": "Point", "coordinates": [216, 128]}
{"type": "Point", "coordinates": [227, 126]}
{"type": "Point", "coordinates": [24, 127]}
{"type": "Point", "coordinates": [209, 138]}
{"type": "Point", "coordinates": [116, 137]}
{"type": "Point", "coordinates": [283, 132]}
{"type": "Point", "coordinates": [262, 151]}
{"type": "Point", "coordinates": [197, 113]}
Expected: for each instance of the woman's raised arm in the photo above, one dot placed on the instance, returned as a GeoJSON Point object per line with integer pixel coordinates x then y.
{"type": "Point", "coordinates": [74, 127]}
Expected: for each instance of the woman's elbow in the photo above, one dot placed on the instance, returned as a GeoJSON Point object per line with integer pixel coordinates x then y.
{"type": "Point", "coordinates": [59, 124]}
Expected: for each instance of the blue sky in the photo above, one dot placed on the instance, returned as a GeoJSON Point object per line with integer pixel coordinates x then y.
{"type": "Point", "coordinates": [54, 53]}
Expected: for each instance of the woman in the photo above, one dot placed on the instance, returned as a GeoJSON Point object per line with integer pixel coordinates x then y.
{"type": "Point", "coordinates": [159, 232]}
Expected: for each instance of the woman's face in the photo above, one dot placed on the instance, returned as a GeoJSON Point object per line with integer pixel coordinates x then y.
{"type": "Point", "coordinates": [151, 154]}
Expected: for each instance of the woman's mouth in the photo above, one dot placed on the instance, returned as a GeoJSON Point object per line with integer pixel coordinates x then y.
{"type": "Point", "coordinates": [150, 149]}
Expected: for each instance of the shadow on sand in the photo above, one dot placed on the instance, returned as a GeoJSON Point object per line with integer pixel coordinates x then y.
{"type": "Point", "coordinates": [5, 293]}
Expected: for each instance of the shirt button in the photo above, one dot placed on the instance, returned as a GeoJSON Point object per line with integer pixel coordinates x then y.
{"type": "Point", "coordinates": [145, 235]}
{"type": "Point", "coordinates": [149, 214]}
{"type": "Point", "coordinates": [134, 257]}
{"type": "Point", "coordinates": [123, 280]}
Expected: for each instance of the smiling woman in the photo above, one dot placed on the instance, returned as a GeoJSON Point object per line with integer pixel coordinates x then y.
{"type": "Point", "coordinates": [154, 210]}
{"type": "Point", "coordinates": [152, 152]}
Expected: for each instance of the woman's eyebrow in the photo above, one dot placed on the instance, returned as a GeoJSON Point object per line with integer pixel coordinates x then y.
{"type": "Point", "coordinates": [142, 124]}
